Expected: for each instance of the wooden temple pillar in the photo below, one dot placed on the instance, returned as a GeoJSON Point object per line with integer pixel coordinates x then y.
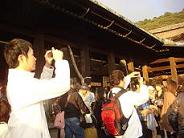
{"type": "Point", "coordinates": [39, 52]}
{"type": "Point", "coordinates": [145, 73]}
{"type": "Point", "coordinates": [111, 62]}
{"type": "Point", "coordinates": [85, 62]}
{"type": "Point", "coordinates": [174, 74]}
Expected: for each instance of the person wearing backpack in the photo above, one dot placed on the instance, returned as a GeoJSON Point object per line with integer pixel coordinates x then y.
{"type": "Point", "coordinates": [97, 110]}
{"type": "Point", "coordinates": [128, 100]}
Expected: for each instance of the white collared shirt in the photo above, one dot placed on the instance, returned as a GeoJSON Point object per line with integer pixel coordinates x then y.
{"type": "Point", "coordinates": [128, 101]}
{"type": "Point", "coordinates": [26, 94]}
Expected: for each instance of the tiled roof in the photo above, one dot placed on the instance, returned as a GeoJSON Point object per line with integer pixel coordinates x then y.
{"type": "Point", "coordinates": [167, 28]}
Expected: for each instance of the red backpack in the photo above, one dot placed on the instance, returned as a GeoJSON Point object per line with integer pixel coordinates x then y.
{"type": "Point", "coordinates": [113, 119]}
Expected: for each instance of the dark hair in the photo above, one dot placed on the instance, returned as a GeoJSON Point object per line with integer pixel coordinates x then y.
{"type": "Point", "coordinates": [15, 48]}
{"type": "Point", "coordinates": [5, 110]}
{"type": "Point", "coordinates": [116, 76]}
{"type": "Point", "coordinates": [134, 83]}
{"type": "Point", "coordinates": [100, 92]}
{"type": "Point", "coordinates": [84, 86]}
{"type": "Point", "coordinates": [87, 80]}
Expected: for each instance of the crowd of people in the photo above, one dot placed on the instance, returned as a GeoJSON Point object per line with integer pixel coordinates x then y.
{"type": "Point", "coordinates": [152, 109]}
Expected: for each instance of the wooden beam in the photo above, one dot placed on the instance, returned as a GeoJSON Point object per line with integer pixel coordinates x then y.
{"type": "Point", "coordinates": [179, 60]}
{"type": "Point", "coordinates": [167, 60]}
{"type": "Point", "coordinates": [173, 69]}
{"type": "Point", "coordinates": [152, 69]}
{"type": "Point", "coordinates": [16, 30]}
{"type": "Point", "coordinates": [160, 61]}
{"type": "Point", "coordinates": [180, 66]}
{"type": "Point", "coordinates": [85, 62]}
{"type": "Point", "coordinates": [111, 63]}
{"type": "Point", "coordinates": [39, 52]}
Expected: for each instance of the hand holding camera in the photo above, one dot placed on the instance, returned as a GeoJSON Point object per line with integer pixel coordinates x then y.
{"type": "Point", "coordinates": [135, 74]}
{"type": "Point", "coordinates": [48, 58]}
{"type": "Point", "coordinates": [53, 54]}
{"type": "Point", "coordinates": [136, 78]}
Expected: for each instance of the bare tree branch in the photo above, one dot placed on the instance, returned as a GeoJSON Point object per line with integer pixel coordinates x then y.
{"type": "Point", "coordinates": [74, 64]}
{"type": "Point", "coordinates": [3, 42]}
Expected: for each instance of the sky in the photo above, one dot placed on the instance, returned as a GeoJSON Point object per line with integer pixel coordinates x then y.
{"type": "Point", "coordinates": [138, 10]}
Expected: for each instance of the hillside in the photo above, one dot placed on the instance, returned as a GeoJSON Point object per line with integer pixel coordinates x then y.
{"type": "Point", "coordinates": [164, 20]}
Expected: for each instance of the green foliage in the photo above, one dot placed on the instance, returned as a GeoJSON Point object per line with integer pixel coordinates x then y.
{"type": "Point", "coordinates": [164, 20]}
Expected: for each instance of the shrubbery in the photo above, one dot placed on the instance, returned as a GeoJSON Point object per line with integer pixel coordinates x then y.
{"type": "Point", "coordinates": [161, 21]}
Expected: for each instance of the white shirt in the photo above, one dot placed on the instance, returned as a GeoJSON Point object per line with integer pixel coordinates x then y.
{"type": "Point", "coordinates": [88, 99]}
{"type": "Point", "coordinates": [128, 101]}
{"type": "Point", "coordinates": [26, 94]}
{"type": "Point", "coordinates": [3, 129]}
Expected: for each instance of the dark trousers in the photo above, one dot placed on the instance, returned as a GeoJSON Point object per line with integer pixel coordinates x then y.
{"type": "Point", "coordinates": [169, 135]}
{"type": "Point", "coordinates": [147, 133]}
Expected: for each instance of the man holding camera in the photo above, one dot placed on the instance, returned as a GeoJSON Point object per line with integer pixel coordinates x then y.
{"type": "Point", "coordinates": [26, 93]}
{"type": "Point", "coordinates": [129, 100]}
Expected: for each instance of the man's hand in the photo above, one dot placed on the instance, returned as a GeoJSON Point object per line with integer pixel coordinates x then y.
{"type": "Point", "coordinates": [51, 55]}
{"type": "Point", "coordinates": [48, 58]}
